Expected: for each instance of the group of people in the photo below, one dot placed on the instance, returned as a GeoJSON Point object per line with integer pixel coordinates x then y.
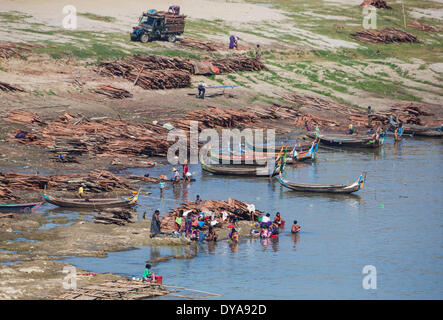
{"type": "Point", "coordinates": [271, 228]}
{"type": "Point", "coordinates": [194, 224]}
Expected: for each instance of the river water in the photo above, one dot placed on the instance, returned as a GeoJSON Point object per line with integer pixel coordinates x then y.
{"type": "Point", "coordinates": [394, 224]}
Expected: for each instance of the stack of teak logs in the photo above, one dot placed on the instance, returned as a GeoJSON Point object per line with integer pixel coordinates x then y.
{"type": "Point", "coordinates": [232, 206]}
{"type": "Point", "coordinates": [113, 92]}
{"type": "Point", "coordinates": [9, 88]}
{"type": "Point", "coordinates": [103, 137]}
{"type": "Point", "coordinates": [387, 35]}
{"type": "Point", "coordinates": [158, 72]}
{"type": "Point", "coordinates": [118, 216]}
{"type": "Point", "coordinates": [95, 181]}
{"type": "Point", "coordinates": [379, 4]}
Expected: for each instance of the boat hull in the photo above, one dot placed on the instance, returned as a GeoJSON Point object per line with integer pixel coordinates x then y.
{"type": "Point", "coordinates": [343, 141]}
{"type": "Point", "coordinates": [92, 203]}
{"type": "Point", "coordinates": [324, 188]}
{"type": "Point", "coordinates": [20, 208]}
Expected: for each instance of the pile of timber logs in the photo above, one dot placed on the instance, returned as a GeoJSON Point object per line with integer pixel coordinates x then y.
{"type": "Point", "coordinates": [217, 118]}
{"type": "Point", "coordinates": [423, 27]}
{"type": "Point", "coordinates": [237, 63]}
{"type": "Point", "coordinates": [6, 193]}
{"type": "Point", "coordinates": [9, 88]}
{"type": "Point", "coordinates": [233, 207]}
{"type": "Point", "coordinates": [103, 137]}
{"type": "Point", "coordinates": [158, 72]}
{"type": "Point", "coordinates": [387, 35]}
{"type": "Point", "coordinates": [113, 92]}
{"type": "Point", "coordinates": [151, 71]}
{"type": "Point", "coordinates": [95, 181]}
{"type": "Point", "coordinates": [118, 216]}
{"type": "Point", "coordinates": [8, 49]}
{"type": "Point", "coordinates": [23, 117]}
{"type": "Point", "coordinates": [379, 4]}
{"type": "Point", "coordinates": [201, 45]}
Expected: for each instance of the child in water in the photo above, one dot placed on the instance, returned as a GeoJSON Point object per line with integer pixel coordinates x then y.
{"type": "Point", "coordinates": [295, 227]}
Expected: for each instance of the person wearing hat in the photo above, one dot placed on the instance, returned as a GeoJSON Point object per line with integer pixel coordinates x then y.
{"type": "Point", "coordinates": [176, 177]}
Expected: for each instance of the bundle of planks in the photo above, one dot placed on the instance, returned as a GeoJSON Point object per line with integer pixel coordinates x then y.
{"type": "Point", "coordinates": [103, 137]}
{"type": "Point", "coordinates": [151, 71]}
{"type": "Point", "coordinates": [9, 88]}
{"type": "Point", "coordinates": [9, 49]}
{"type": "Point", "coordinates": [113, 92]}
{"type": "Point", "coordinates": [118, 216]}
{"type": "Point", "coordinates": [116, 290]}
{"type": "Point", "coordinates": [423, 27]}
{"type": "Point", "coordinates": [201, 45]}
{"type": "Point", "coordinates": [387, 35]}
{"type": "Point", "coordinates": [379, 4]}
{"type": "Point", "coordinates": [217, 118]}
{"type": "Point", "coordinates": [6, 193]}
{"type": "Point", "coordinates": [236, 208]}
{"type": "Point", "coordinates": [237, 63]}
{"type": "Point", "coordinates": [232, 206]}
{"type": "Point", "coordinates": [158, 72]}
{"type": "Point", "coordinates": [95, 181]}
{"type": "Point", "coordinates": [24, 117]}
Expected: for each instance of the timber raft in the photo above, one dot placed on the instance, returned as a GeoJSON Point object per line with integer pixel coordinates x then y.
{"type": "Point", "coordinates": [121, 289]}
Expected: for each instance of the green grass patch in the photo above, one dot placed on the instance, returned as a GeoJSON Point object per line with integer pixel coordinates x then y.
{"type": "Point", "coordinates": [97, 17]}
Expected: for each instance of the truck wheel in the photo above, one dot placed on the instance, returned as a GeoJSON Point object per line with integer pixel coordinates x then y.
{"type": "Point", "coordinates": [144, 38]}
{"type": "Point", "coordinates": [172, 38]}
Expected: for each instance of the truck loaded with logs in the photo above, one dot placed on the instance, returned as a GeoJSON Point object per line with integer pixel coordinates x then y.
{"type": "Point", "coordinates": [159, 25]}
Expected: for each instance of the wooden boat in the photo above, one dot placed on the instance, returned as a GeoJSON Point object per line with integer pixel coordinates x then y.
{"type": "Point", "coordinates": [306, 155]}
{"type": "Point", "coordinates": [325, 188]}
{"type": "Point", "coordinates": [93, 203]}
{"type": "Point", "coordinates": [349, 140]}
{"type": "Point", "coordinates": [420, 131]}
{"type": "Point", "coordinates": [232, 170]}
{"type": "Point", "coordinates": [248, 160]}
{"type": "Point", "coordinates": [22, 208]}
{"type": "Point", "coordinates": [304, 147]}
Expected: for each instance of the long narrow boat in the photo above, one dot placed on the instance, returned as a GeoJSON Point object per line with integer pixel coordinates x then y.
{"type": "Point", "coordinates": [93, 203]}
{"type": "Point", "coordinates": [349, 140]}
{"type": "Point", "coordinates": [232, 170]}
{"type": "Point", "coordinates": [249, 160]}
{"type": "Point", "coordinates": [264, 149]}
{"type": "Point", "coordinates": [325, 188]}
{"type": "Point", "coordinates": [22, 208]}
